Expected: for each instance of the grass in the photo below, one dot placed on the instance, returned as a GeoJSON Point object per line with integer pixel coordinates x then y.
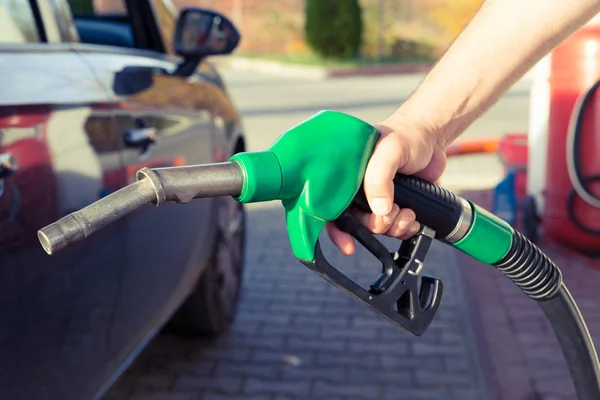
{"type": "Point", "coordinates": [311, 59]}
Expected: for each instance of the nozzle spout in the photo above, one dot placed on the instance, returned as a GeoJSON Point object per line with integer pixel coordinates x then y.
{"type": "Point", "coordinates": [154, 186]}
{"type": "Point", "coordinates": [80, 224]}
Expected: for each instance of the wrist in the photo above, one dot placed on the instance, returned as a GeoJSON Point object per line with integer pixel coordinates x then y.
{"type": "Point", "coordinates": [424, 122]}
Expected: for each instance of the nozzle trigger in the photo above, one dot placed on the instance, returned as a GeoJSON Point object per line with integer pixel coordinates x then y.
{"type": "Point", "coordinates": [396, 294]}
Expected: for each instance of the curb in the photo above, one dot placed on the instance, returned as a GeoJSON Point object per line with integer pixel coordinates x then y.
{"type": "Point", "coordinates": [316, 73]}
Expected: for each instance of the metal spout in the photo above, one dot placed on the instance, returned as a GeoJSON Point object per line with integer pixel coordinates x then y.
{"type": "Point", "coordinates": [154, 186]}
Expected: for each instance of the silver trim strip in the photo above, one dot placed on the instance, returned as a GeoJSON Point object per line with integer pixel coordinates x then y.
{"type": "Point", "coordinates": [463, 225]}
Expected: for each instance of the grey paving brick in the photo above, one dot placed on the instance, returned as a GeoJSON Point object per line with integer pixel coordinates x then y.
{"type": "Point", "coordinates": [396, 348]}
{"type": "Point", "coordinates": [159, 395]}
{"type": "Point", "coordinates": [362, 391]}
{"type": "Point", "coordinates": [431, 378]}
{"type": "Point", "coordinates": [346, 359]}
{"type": "Point", "coordinates": [247, 327]}
{"type": "Point", "coordinates": [281, 356]}
{"type": "Point", "coordinates": [367, 322]}
{"type": "Point", "coordinates": [277, 317]}
{"type": "Point", "coordinates": [392, 392]}
{"type": "Point", "coordinates": [201, 366]}
{"type": "Point", "coordinates": [329, 374]}
{"type": "Point", "coordinates": [299, 308]}
{"type": "Point", "coordinates": [380, 375]}
{"type": "Point", "coordinates": [218, 396]}
{"type": "Point", "coordinates": [452, 337]}
{"type": "Point", "coordinates": [456, 364]}
{"type": "Point", "coordinates": [284, 397]}
{"type": "Point", "coordinates": [305, 330]}
{"type": "Point", "coordinates": [319, 320]}
{"type": "Point", "coordinates": [219, 383]}
{"type": "Point", "coordinates": [254, 341]}
{"type": "Point", "coordinates": [330, 332]}
{"type": "Point", "coordinates": [390, 332]}
{"type": "Point", "coordinates": [248, 370]}
{"type": "Point", "coordinates": [465, 394]}
{"type": "Point", "coordinates": [298, 343]}
{"type": "Point", "coordinates": [224, 354]}
{"type": "Point", "coordinates": [420, 348]}
{"type": "Point", "coordinates": [411, 362]}
{"type": "Point", "coordinates": [263, 386]}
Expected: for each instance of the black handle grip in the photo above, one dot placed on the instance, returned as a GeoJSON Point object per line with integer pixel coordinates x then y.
{"type": "Point", "coordinates": [435, 207]}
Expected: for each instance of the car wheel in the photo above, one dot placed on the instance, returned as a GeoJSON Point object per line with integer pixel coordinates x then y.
{"type": "Point", "coordinates": [211, 307]}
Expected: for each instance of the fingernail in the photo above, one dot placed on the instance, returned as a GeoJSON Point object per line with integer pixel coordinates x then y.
{"type": "Point", "coordinates": [404, 223]}
{"type": "Point", "coordinates": [414, 229]}
{"type": "Point", "coordinates": [388, 219]}
{"type": "Point", "coordinates": [380, 206]}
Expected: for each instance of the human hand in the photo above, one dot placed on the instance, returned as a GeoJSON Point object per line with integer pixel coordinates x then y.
{"type": "Point", "coordinates": [406, 145]}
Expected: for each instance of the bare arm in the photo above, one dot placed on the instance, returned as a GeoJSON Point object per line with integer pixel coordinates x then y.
{"type": "Point", "coordinates": [500, 44]}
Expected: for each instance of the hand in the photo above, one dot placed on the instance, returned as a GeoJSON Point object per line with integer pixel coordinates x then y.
{"type": "Point", "coordinates": [408, 146]}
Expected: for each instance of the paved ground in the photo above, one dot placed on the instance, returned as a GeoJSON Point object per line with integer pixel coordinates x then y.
{"type": "Point", "coordinates": [296, 336]}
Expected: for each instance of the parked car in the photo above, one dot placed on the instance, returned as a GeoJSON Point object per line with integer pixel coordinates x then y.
{"type": "Point", "coordinates": [89, 96]}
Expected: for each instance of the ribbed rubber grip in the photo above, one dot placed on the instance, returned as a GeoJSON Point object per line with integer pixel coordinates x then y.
{"type": "Point", "coordinates": [530, 269]}
{"type": "Point", "coordinates": [435, 207]}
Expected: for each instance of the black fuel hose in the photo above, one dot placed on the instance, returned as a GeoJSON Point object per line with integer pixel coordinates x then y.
{"type": "Point", "coordinates": [524, 264]}
{"type": "Point", "coordinates": [574, 339]}
{"type": "Point", "coordinates": [532, 271]}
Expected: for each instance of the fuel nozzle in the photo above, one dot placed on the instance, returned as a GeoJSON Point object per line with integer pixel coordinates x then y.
{"type": "Point", "coordinates": [153, 186]}
{"type": "Point", "coordinates": [315, 169]}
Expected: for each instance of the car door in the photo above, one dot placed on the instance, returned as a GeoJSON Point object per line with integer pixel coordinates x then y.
{"type": "Point", "coordinates": [164, 120]}
{"type": "Point", "coordinates": [57, 150]}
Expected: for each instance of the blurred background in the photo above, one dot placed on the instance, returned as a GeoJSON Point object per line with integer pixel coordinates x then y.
{"type": "Point", "coordinates": [392, 30]}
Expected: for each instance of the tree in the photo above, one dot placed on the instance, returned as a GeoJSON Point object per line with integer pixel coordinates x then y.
{"type": "Point", "coordinates": [333, 28]}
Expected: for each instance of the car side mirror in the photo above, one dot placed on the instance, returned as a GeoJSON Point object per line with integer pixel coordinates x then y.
{"type": "Point", "coordinates": [200, 33]}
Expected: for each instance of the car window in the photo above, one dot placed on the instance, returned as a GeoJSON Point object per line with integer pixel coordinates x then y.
{"type": "Point", "coordinates": [102, 22]}
{"type": "Point", "coordinates": [17, 22]}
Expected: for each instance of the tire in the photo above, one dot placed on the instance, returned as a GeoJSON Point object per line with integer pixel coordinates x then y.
{"type": "Point", "coordinates": [211, 307]}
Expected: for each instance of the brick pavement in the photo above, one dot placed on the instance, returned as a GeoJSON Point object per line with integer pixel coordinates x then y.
{"type": "Point", "coordinates": [297, 337]}
{"type": "Point", "coordinates": [520, 354]}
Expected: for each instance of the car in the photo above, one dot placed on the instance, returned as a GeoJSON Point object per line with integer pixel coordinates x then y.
{"type": "Point", "coordinates": [89, 96]}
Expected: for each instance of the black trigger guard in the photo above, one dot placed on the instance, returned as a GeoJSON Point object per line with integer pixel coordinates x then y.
{"type": "Point", "coordinates": [395, 295]}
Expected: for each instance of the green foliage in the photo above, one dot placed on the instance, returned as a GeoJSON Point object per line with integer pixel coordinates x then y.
{"type": "Point", "coordinates": [333, 28]}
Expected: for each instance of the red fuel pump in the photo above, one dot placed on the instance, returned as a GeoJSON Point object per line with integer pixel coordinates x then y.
{"type": "Point", "coordinates": [571, 212]}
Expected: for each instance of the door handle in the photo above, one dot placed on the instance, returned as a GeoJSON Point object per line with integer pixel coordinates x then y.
{"type": "Point", "coordinates": [140, 137]}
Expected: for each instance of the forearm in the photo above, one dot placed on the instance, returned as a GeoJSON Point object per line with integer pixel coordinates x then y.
{"type": "Point", "coordinates": [501, 43]}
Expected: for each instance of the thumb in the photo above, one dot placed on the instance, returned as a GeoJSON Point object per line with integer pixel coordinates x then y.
{"type": "Point", "coordinates": [388, 156]}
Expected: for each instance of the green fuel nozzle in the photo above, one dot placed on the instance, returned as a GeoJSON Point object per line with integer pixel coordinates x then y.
{"type": "Point", "coordinates": [315, 169]}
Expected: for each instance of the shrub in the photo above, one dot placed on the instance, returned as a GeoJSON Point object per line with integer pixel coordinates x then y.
{"type": "Point", "coordinates": [333, 28]}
